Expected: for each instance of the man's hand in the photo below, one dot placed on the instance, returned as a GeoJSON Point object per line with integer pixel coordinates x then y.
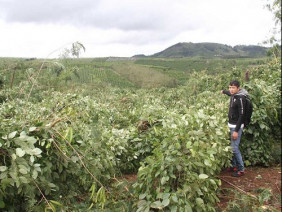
{"type": "Point", "coordinates": [235, 136]}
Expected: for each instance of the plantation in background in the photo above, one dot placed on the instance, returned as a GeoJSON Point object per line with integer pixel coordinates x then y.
{"type": "Point", "coordinates": [71, 128]}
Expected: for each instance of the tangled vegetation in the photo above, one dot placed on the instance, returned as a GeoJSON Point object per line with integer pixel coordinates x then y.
{"type": "Point", "coordinates": [70, 129]}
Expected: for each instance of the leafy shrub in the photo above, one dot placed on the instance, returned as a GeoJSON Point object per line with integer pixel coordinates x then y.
{"type": "Point", "coordinates": [264, 131]}
{"type": "Point", "coordinates": [181, 173]}
{"type": "Point", "coordinates": [82, 138]}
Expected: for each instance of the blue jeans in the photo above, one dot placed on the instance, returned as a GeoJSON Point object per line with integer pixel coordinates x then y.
{"type": "Point", "coordinates": [237, 160]}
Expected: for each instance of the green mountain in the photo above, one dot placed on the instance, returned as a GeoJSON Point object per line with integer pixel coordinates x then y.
{"type": "Point", "coordinates": [211, 50]}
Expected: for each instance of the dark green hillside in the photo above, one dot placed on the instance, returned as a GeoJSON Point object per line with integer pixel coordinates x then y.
{"type": "Point", "coordinates": [251, 51]}
{"type": "Point", "coordinates": [211, 50]}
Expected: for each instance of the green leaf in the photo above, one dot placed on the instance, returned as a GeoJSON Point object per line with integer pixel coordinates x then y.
{"type": "Point", "coordinates": [3, 176]}
{"type": "Point", "coordinates": [20, 152]}
{"type": "Point", "coordinates": [219, 132]}
{"type": "Point", "coordinates": [31, 159]}
{"type": "Point", "coordinates": [188, 144]}
{"type": "Point", "coordinates": [247, 163]}
{"type": "Point", "coordinates": [2, 204]}
{"type": "Point", "coordinates": [23, 180]}
{"type": "Point", "coordinates": [166, 195]}
{"type": "Point", "coordinates": [31, 140]}
{"type": "Point", "coordinates": [141, 203]}
{"type": "Point", "coordinates": [36, 151]}
{"type": "Point", "coordinates": [188, 208]}
{"type": "Point", "coordinates": [31, 129]}
{"type": "Point", "coordinates": [199, 201]}
{"type": "Point", "coordinates": [37, 168]}
{"type": "Point", "coordinates": [203, 176]}
{"type": "Point", "coordinates": [12, 134]}
{"type": "Point", "coordinates": [92, 204]}
{"type": "Point", "coordinates": [56, 203]}
{"type": "Point", "coordinates": [212, 181]}
{"type": "Point", "coordinates": [165, 202]}
{"type": "Point", "coordinates": [13, 175]}
{"type": "Point", "coordinates": [157, 204]}
{"type": "Point", "coordinates": [3, 168]}
{"type": "Point", "coordinates": [226, 149]}
{"type": "Point", "coordinates": [157, 173]}
{"type": "Point", "coordinates": [23, 135]}
{"type": "Point", "coordinates": [23, 170]}
{"type": "Point", "coordinates": [34, 174]}
{"type": "Point", "coordinates": [163, 180]}
{"type": "Point", "coordinates": [7, 181]}
{"type": "Point", "coordinates": [173, 208]}
{"type": "Point", "coordinates": [52, 185]}
{"type": "Point", "coordinates": [74, 159]}
{"type": "Point", "coordinates": [53, 208]}
{"type": "Point", "coordinates": [199, 164]}
{"type": "Point", "coordinates": [14, 156]}
{"type": "Point", "coordinates": [207, 162]}
{"type": "Point", "coordinates": [174, 198]}
{"type": "Point", "coordinates": [142, 196]}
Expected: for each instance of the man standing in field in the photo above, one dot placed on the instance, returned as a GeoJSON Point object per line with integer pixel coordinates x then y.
{"type": "Point", "coordinates": [236, 118]}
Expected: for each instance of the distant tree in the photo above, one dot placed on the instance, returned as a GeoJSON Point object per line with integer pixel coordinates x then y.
{"type": "Point", "coordinates": [75, 50]}
{"type": "Point", "coordinates": [275, 8]}
{"type": "Point", "coordinates": [64, 70]}
{"type": "Point", "coordinates": [275, 39]}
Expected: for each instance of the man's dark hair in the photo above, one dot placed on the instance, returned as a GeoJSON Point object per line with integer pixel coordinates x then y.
{"type": "Point", "coordinates": [235, 83]}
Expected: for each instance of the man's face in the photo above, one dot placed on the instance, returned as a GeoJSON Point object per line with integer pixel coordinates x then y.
{"type": "Point", "coordinates": [233, 89]}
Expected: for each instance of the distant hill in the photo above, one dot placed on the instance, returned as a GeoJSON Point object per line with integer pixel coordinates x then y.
{"type": "Point", "coordinates": [211, 50]}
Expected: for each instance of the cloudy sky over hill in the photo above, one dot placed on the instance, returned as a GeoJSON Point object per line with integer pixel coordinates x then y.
{"type": "Point", "coordinates": [35, 28]}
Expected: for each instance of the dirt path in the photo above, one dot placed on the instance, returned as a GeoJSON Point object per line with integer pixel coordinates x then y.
{"type": "Point", "coordinates": [255, 178]}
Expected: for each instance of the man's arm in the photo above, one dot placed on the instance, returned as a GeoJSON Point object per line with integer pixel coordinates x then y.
{"type": "Point", "coordinates": [226, 92]}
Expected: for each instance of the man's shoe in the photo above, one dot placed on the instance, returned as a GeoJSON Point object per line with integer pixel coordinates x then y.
{"type": "Point", "coordinates": [238, 174]}
{"type": "Point", "coordinates": [232, 169]}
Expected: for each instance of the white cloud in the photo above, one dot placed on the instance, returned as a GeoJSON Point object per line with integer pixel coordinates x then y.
{"type": "Point", "coordinates": [127, 27]}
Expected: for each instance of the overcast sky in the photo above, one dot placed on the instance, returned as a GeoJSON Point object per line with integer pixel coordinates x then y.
{"type": "Point", "coordinates": [36, 28]}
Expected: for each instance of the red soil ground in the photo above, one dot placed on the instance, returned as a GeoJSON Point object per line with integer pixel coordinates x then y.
{"type": "Point", "coordinates": [254, 178]}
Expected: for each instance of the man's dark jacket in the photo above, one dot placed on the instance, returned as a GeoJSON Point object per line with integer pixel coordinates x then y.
{"type": "Point", "coordinates": [236, 114]}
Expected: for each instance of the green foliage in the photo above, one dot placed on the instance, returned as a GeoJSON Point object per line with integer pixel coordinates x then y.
{"type": "Point", "coordinates": [181, 172]}
{"type": "Point", "coordinates": [103, 77]}
{"type": "Point", "coordinates": [264, 131]}
{"type": "Point", "coordinates": [85, 123]}
{"type": "Point", "coordinates": [49, 150]}
{"type": "Point", "coordinates": [257, 203]}
{"type": "Point", "coordinates": [143, 76]}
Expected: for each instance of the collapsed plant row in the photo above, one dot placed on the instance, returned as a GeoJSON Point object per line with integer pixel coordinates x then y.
{"type": "Point", "coordinates": [67, 150]}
